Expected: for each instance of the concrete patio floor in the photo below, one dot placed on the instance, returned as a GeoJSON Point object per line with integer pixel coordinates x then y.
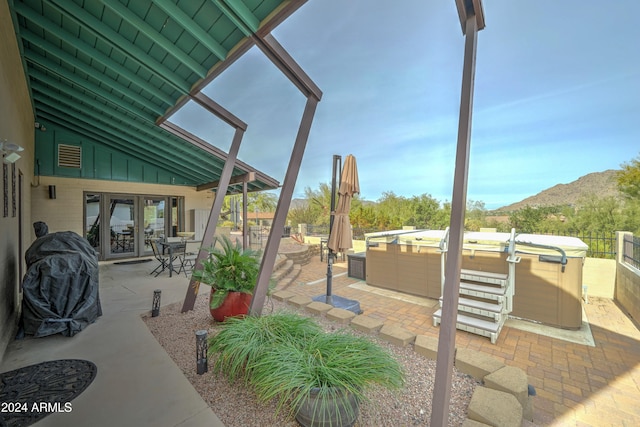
{"type": "Point", "coordinates": [139, 385]}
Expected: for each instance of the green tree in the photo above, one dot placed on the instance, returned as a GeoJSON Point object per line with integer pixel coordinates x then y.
{"type": "Point", "coordinates": [262, 201]}
{"type": "Point", "coordinates": [598, 215]}
{"type": "Point", "coordinates": [631, 216]}
{"type": "Point", "coordinates": [475, 217]}
{"type": "Point", "coordinates": [302, 215]}
{"type": "Point", "coordinates": [629, 179]}
{"type": "Point", "coordinates": [530, 219]}
{"type": "Point", "coordinates": [424, 211]}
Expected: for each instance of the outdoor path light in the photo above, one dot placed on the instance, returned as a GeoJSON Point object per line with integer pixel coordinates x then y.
{"type": "Point", "coordinates": [201, 351]}
{"type": "Point", "coordinates": [155, 307]}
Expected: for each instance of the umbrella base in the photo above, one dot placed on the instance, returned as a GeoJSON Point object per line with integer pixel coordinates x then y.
{"type": "Point", "coordinates": [340, 302]}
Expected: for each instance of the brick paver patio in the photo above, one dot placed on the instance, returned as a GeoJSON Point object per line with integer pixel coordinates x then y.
{"type": "Point", "coordinates": [576, 384]}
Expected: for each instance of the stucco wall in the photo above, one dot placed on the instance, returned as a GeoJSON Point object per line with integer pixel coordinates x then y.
{"type": "Point", "coordinates": [17, 126]}
{"type": "Point", "coordinates": [65, 212]}
{"type": "Point", "coordinates": [599, 275]}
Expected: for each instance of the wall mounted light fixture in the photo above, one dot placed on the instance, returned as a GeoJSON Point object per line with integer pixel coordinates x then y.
{"type": "Point", "coordinates": [10, 151]}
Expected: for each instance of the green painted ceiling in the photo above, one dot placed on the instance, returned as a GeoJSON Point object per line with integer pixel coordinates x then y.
{"type": "Point", "coordinates": [113, 70]}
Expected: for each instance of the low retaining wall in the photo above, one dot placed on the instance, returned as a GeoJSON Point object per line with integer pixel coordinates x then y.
{"type": "Point", "coordinates": [627, 291]}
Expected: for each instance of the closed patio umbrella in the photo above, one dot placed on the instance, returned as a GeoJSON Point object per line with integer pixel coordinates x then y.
{"type": "Point", "coordinates": [340, 238]}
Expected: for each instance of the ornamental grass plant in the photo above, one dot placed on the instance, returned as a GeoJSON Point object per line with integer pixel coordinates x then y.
{"type": "Point", "coordinates": [289, 358]}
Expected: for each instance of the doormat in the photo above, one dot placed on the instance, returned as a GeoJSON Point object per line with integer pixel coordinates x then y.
{"type": "Point", "coordinates": [134, 261]}
{"type": "Point", "coordinates": [31, 393]}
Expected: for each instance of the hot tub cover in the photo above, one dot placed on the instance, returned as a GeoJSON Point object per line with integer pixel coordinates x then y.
{"type": "Point", "coordinates": [537, 244]}
{"type": "Point", "coordinates": [61, 285]}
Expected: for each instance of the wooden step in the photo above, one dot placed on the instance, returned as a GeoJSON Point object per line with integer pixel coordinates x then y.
{"type": "Point", "coordinates": [482, 291]}
{"type": "Point", "coordinates": [476, 322]}
{"type": "Point", "coordinates": [479, 305]}
{"type": "Point", "coordinates": [474, 325]}
{"type": "Point", "coordinates": [484, 277]}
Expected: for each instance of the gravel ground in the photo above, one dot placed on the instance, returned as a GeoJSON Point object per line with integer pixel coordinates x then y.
{"type": "Point", "coordinates": [236, 405]}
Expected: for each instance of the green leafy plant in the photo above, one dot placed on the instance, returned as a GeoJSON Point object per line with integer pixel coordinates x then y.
{"type": "Point", "coordinates": [287, 357]}
{"type": "Point", "coordinates": [228, 269]}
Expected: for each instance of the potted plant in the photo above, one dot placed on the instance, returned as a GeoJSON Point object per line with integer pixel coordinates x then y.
{"type": "Point", "coordinates": [232, 273]}
{"type": "Point", "coordinates": [287, 357]}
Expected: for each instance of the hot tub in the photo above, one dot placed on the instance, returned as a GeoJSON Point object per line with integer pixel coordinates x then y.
{"type": "Point", "coordinates": [548, 277]}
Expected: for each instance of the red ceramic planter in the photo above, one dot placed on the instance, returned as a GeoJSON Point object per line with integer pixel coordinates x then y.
{"type": "Point", "coordinates": [236, 304]}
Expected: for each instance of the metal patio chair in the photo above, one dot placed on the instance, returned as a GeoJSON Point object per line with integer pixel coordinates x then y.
{"type": "Point", "coordinates": [160, 256]}
{"type": "Point", "coordinates": [188, 257]}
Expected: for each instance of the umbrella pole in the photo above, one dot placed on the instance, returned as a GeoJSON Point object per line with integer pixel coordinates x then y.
{"type": "Point", "coordinates": [329, 299]}
{"type": "Point", "coordinates": [336, 159]}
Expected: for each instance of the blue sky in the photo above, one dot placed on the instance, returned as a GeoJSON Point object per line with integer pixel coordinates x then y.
{"type": "Point", "coordinates": [557, 96]}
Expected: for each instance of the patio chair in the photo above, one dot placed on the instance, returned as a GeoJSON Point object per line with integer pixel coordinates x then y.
{"type": "Point", "coordinates": [188, 258]}
{"type": "Point", "coordinates": [160, 256]}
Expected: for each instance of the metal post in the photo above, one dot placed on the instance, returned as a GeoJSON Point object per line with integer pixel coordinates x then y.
{"type": "Point", "coordinates": [201, 352]}
{"type": "Point", "coordinates": [336, 159]}
{"type": "Point", "coordinates": [245, 217]}
{"type": "Point", "coordinates": [155, 306]}
{"type": "Point", "coordinates": [446, 339]}
{"type": "Point", "coordinates": [273, 242]}
{"type": "Point", "coordinates": [216, 208]}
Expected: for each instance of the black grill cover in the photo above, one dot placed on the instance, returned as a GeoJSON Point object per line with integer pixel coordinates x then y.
{"type": "Point", "coordinates": [61, 285]}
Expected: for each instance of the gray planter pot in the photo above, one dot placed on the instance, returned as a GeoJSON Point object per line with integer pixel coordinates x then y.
{"type": "Point", "coordinates": [335, 410]}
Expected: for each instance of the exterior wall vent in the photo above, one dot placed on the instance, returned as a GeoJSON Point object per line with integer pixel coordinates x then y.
{"type": "Point", "coordinates": [69, 156]}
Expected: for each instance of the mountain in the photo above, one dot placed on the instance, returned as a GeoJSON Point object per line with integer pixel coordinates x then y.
{"type": "Point", "coordinates": [603, 184]}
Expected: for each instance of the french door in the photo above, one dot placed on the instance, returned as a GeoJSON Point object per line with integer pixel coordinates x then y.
{"type": "Point", "coordinates": [130, 222]}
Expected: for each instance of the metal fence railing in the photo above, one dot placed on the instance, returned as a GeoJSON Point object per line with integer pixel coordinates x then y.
{"type": "Point", "coordinates": [631, 251]}
{"type": "Point", "coordinates": [317, 230]}
{"type": "Point", "coordinates": [601, 245]}
{"type": "Point", "coordinates": [323, 230]}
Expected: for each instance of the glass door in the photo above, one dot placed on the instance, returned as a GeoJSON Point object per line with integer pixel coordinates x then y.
{"type": "Point", "coordinates": [153, 218]}
{"type": "Point", "coordinates": [123, 227]}
{"type": "Point", "coordinates": [92, 220]}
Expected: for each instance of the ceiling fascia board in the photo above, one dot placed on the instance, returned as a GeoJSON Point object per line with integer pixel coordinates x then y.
{"type": "Point", "coordinates": [130, 134]}
{"type": "Point", "coordinates": [116, 142]}
{"type": "Point", "coordinates": [234, 54]}
{"type": "Point", "coordinates": [219, 111]}
{"type": "Point", "coordinates": [192, 28]}
{"type": "Point", "coordinates": [197, 142]}
{"type": "Point", "coordinates": [53, 68]}
{"type": "Point", "coordinates": [271, 48]}
{"type": "Point", "coordinates": [204, 145]}
{"type": "Point", "coordinates": [111, 37]}
{"type": "Point", "coordinates": [289, 67]}
{"type": "Point", "coordinates": [65, 57]}
{"type": "Point", "coordinates": [238, 179]}
{"type": "Point", "coordinates": [276, 17]}
{"type": "Point", "coordinates": [155, 36]}
{"type": "Point", "coordinates": [93, 53]}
